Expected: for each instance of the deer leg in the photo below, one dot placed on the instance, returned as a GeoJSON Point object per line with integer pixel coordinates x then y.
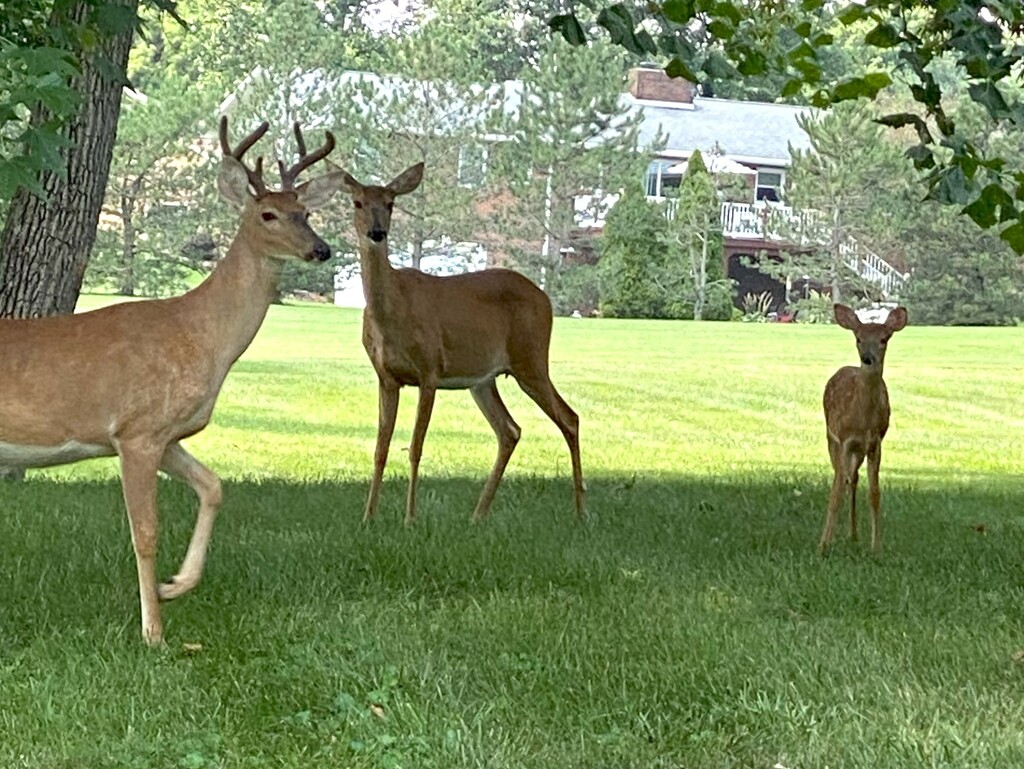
{"type": "Point", "coordinates": [387, 393]}
{"type": "Point", "coordinates": [138, 482]}
{"type": "Point", "coordinates": [835, 498]}
{"type": "Point", "coordinates": [508, 432]}
{"type": "Point", "coordinates": [424, 408]}
{"type": "Point", "coordinates": [853, 462]}
{"type": "Point", "coordinates": [875, 496]}
{"type": "Point", "coordinates": [180, 464]}
{"type": "Point", "coordinates": [544, 394]}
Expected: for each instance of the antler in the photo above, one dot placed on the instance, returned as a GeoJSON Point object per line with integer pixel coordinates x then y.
{"type": "Point", "coordinates": [255, 175]}
{"type": "Point", "coordinates": [289, 175]}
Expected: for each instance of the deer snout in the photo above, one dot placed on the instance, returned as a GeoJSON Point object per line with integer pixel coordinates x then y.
{"type": "Point", "coordinates": [321, 252]}
{"type": "Point", "coordinates": [867, 359]}
{"type": "Point", "coordinates": [377, 234]}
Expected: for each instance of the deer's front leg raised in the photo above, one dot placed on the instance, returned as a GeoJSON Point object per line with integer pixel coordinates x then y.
{"type": "Point", "coordinates": [179, 463]}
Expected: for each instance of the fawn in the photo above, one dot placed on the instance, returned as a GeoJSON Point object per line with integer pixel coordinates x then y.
{"type": "Point", "coordinates": [857, 417]}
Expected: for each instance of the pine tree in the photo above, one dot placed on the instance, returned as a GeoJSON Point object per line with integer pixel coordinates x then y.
{"type": "Point", "coordinates": [694, 243]}
{"type": "Point", "coordinates": [633, 263]}
{"type": "Point", "coordinates": [568, 140]}
{"type": "Point", "coordinates": [848, 191]}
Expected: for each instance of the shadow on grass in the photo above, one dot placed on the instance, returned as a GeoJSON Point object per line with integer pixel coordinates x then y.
{"type": "Point", "coordinates": [66, 561]}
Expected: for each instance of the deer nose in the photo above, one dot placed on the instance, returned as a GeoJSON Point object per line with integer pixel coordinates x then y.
{"type": "Point", "coordinates": [377, 234]}
{"type": "Point", "coordinates": [867, 360]}
{"type": "Point", "coordinates": [321, 252]}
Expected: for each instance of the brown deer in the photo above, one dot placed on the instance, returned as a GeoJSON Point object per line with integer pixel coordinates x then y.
{"type": "Point", "coordinates": [457, 332]}
{"type": "Point", "coordinates": [135, 379]}
{"type": "Point", "coordinates": [856, 406]}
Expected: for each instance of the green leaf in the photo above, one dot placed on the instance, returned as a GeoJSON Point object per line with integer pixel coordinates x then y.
{"type": "Point", "coordinates": [619, 23]}
{"type": "Point", "coordinates": [569, 27]}
{"type": "Point", "coordinates": [992, 201]}
{"type": "Point", "coordinates": [987, 95]}
{"type": "Point", "coordinates": [953, 186]}
{"type": "Point", "coordinates": [1014, 235]}
{"type": "Point", "coordinates": [855, 87]}
{"type": "Point", "coordinates": [752, 62]}
{"type": "Point", "coordinates": [852, 13]}
{"type": "Point", "coordinates": [882, 36]}
{"type": "Point", "coordinates": [678, 68]}
{"type": "Point", "coordinates": [678, 11]}
{"type": "Point", "coordinates": [922, 156]}
{"type": "Point", "coordinates": [728, 11]}
{"type": "Point", "coordinates": [721, 30]}
{"type": "Point", "coordinates": [792, 87]}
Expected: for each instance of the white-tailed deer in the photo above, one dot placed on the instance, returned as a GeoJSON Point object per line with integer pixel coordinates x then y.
{"type": "Point", "coordinates": [457, 332]}
{"type": "Point", "coordinates": [134, 379]}
{"type": "Point", "coordinates": [856, 406]}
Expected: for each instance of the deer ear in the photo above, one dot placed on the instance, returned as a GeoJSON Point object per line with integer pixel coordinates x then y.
{"type": "Point", "coordinates": [407, 181]}
{"type": "Point", "coordinates": [233, 182]}
{"type": "Point", "coordinates": [316, 192]}
{"type": "Point", "coordinates": [348, 181]}
{"type": "Point", "coordinates": [846, 317]}
{"type": "Point", "coordinates": [897, 319]}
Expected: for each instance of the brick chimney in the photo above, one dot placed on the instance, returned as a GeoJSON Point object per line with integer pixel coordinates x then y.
{"type": "Point", "coordinates": [653, 84]}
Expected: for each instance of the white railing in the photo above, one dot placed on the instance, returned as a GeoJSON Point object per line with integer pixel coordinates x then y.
{"type": "Point", "coordinates": [745, 221]}
{"type": "Point", "coordinates": [767, 222]}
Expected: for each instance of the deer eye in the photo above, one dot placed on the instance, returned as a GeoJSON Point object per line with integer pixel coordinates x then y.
{"type": "Point", "coordinates": [268, 216]}
{"type": "Point", "coordinates": [358, 204]}
{"type": "Point", "coordinates": [390, 206]}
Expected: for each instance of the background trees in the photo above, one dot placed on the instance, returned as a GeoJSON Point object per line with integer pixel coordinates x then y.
{"type": "Point", "coordinates": [567, 139]}
{"type": "Point", "coordinates": [740, 41]}
{"type": "Point", "coordinates": [51, 223]}
{"type": "Point", "coordinates": [508, 163]}
{"type": "Point", "coordinates": [693, 240]}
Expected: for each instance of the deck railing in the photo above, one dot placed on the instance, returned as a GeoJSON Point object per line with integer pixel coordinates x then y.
{"type": "Point", "coordinates": [774, 222]}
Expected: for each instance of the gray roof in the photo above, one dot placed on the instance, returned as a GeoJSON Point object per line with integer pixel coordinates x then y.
{"type": "Point", "coordinates": [741, 129]}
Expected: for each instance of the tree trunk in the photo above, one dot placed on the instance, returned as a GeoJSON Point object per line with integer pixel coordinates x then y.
{"type": "Point", "coordinates": [45, 245]}
{"type": "Point", "coordinates": [417, 252]}
{"type": "Point", "coordinates": [126, 276]}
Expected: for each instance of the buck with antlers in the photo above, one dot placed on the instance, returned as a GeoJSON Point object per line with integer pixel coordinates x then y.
{"type": "Point", "coordinates": [457, 332]}
{"type": "Point", "coordinates": [856, 404]}
{"type": "Point", "coordinates": [135, 379]}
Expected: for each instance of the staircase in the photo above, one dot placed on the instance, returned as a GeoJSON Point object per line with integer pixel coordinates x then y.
{"type": "Point", "coordinates": [744, 221]}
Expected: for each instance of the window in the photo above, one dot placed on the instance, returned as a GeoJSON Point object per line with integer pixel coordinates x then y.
{"type": "Point", "coordinates": [472, 165]}
{"type": "Point", "coordinates": [769, 185]}
{"type": "Point", "coordinates": [652, 181]}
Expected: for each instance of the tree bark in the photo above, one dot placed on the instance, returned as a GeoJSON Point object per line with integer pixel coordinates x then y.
{"type": "Point", "coordinates": [126, 278]}
{"type": "Point", "coordinates": [46, 244]}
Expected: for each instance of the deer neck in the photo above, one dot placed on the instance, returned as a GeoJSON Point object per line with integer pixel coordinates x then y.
{"type": "Point", "coordinates": [231, 304]}
{"type": "Point", "coordinates": [871, 379]}
{"type": "Point", "coordinates": [377, 274]}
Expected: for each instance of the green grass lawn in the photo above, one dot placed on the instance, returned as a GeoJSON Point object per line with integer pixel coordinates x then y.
{"type": "Point", "coordinates": [688, 623]}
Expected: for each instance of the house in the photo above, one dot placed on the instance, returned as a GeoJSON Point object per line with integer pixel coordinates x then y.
{"type": "Point", "coordinates": [750, 141]}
